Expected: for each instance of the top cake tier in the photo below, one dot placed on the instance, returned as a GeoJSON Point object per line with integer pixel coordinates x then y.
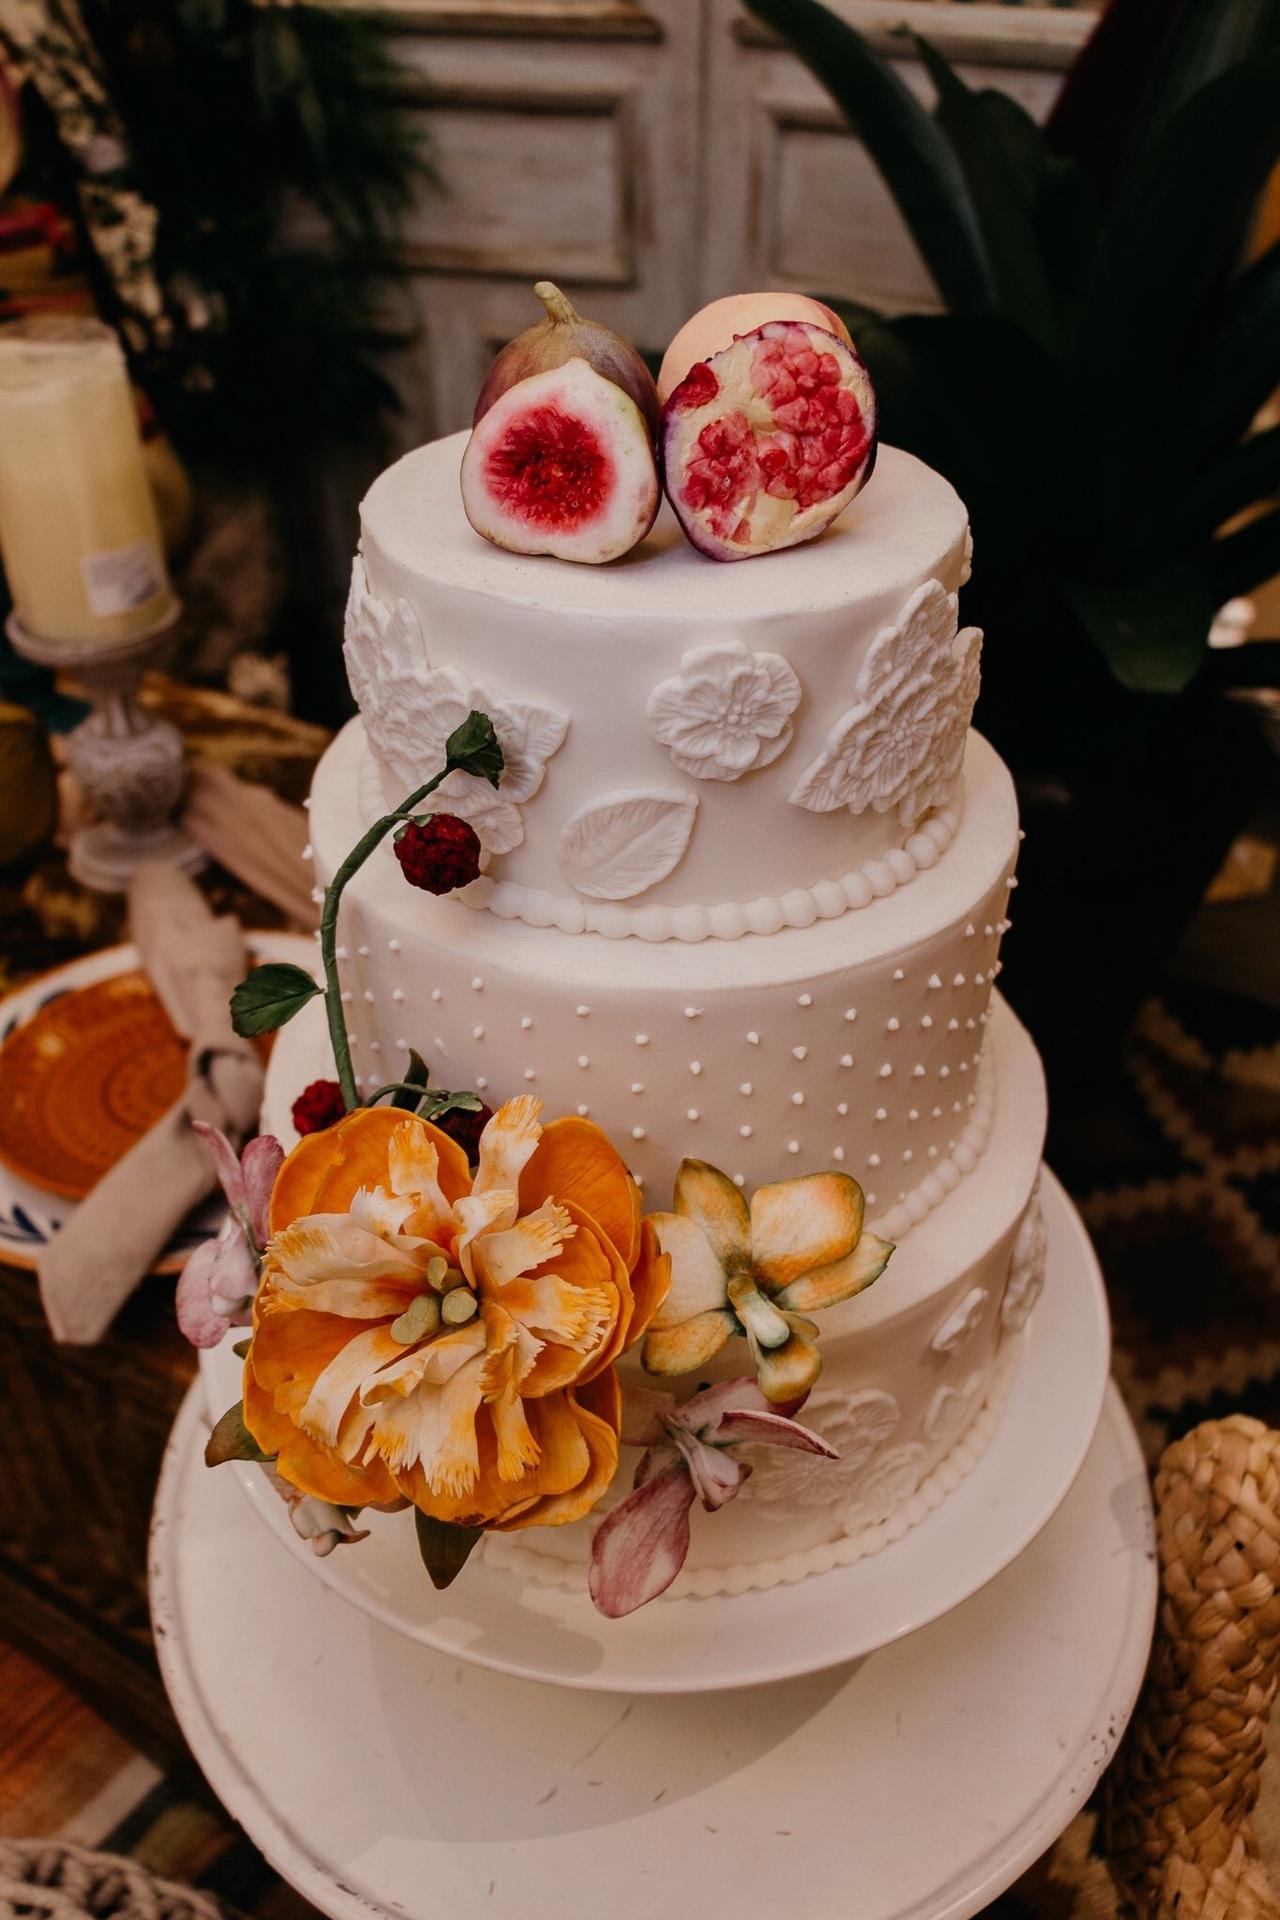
{"type": "Point", "coordinates": [692, 749]}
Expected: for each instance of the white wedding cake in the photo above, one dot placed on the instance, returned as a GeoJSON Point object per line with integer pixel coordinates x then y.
{"type": "Point", "coordinates": [746, 878]}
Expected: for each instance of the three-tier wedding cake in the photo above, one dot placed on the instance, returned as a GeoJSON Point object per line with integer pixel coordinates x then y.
{"type": "Point", "coordinates": [746, 877]}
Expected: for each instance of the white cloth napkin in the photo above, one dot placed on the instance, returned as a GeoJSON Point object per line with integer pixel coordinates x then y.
{"type": "Point", "coordinates": [194, 959]}
{"type": "Point", "coordinates": [256, 835]}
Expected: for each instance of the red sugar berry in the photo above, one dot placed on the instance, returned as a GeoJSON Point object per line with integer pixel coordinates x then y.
{"type": "Point", "coordinates": [465, 1128]}
{"type": "Point", "coordinates": [438, 853]}
{"type": "Point", "coordinates": [318, 1106]}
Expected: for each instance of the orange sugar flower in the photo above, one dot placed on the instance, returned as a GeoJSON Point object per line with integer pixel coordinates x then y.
{"type": "Point", "coordinates": [422, 1333]}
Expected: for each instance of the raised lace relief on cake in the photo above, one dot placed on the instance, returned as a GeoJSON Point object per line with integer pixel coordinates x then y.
{"type": "Point", "coordinates": [410, 708]}
{"type": "Point", "coordinates": [858, 1425]}
{"type": "Point", "coordinates": [901, 744]}
{"type": "Point", "coordinates": [1026, 1267]}
{"type": "Point", "coordinates": [727, 712]}
{"type": "Point", "coordinates": [961, 1323]}
{"type": "Point", "coordinates": [951, 1410]}
{"type": "Point", "coordinates": [620, 844]}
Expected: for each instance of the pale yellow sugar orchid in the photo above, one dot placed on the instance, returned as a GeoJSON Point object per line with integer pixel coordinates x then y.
{"type": "Point", "coordinates": [758, 1269]}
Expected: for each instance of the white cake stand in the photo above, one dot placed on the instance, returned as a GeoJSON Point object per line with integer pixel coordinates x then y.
{"type": "Point", "coordinates": [498, 1619]}
{"type": "Point", "coordinates": [384, 1779]}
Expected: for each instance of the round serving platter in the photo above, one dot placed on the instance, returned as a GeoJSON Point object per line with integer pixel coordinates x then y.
{"type": "Point", "coordinates": [384, 1779]}
{"type": "Point", "coordinates": [496, 1619]}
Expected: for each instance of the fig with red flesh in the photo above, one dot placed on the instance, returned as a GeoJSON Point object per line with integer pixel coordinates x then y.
{"type": "Point", "coordinates": [766, 442]}
{"type": "Point", "coordinates": [561, 457]}
{"type": "Point", "coordinates": [562, 334]}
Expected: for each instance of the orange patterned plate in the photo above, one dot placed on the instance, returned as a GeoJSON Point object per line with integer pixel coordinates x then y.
{"type": "Point", "coordinates": [74, 1098]}
{"type": "Point", "coordinates": [85, 1078]}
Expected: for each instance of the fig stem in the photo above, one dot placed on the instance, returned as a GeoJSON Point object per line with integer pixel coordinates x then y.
{"type": "Point", "coordinates": [559, 307]}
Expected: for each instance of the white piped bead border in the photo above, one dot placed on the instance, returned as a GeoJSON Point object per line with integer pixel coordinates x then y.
{"type": "Point", "coordinates": [511, 1556]}
{"type": "Point", "coordinates": [874, 880]}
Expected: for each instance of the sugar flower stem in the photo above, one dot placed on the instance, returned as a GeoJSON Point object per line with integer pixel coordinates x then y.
{"type": "Point", "coordinates": [473, 748]}
{"type": "Point", "coordinates": [329, 929]}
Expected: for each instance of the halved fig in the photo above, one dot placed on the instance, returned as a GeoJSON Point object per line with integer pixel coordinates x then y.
{"type": "Point", "coordinates": [765, 443]}
{"type": "Point", "coordinates": [562, 463]}
{"type": "Point", "coordinates": [721, 322]}
{"type": "Point", "coordinates": [562, 334]}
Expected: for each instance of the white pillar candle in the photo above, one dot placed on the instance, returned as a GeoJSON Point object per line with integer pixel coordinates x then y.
{"type": "Point", "coordinates": [78, 530]}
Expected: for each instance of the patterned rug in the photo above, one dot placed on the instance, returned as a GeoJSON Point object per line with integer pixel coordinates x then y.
{"type": "Point", "coordinates": [1175, 1162]}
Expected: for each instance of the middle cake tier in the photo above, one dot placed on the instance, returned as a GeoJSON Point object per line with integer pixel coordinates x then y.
{"type": "Point", "coordinates": [853, 1043]}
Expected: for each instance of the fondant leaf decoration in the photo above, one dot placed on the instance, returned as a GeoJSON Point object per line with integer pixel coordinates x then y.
{"type": "Point", "coordinates": [270, 995]}
{"type": "Point", "coordinates": [445, 1548]}
{"type": "Point", "coordinates": [473, 748]}
{"type": "Point", "coordinates": [416, 1075]}
{"type": "Point", "coordinates": [621, 843]}
{"type": "Point", "coordinates": [232, 1440]}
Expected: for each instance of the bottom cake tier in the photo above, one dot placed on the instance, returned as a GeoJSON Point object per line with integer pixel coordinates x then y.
{"type": "Point", "coordinates": [914, 1369]}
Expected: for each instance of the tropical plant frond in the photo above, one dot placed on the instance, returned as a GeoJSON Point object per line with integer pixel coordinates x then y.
{"type": "Point", "coordinates": [1242, 560]}
{"type": "Point", "coordinates": [914, 155]}
{"type": "Point", "coordinates": [1152, 632]}
{"type": "Point", "coordinates": [1175, 229]}
{"type": "Point", "coordinates": [1242, 363]}
{"type": "Point", "coordinates": [1202, 43]}
{"type": "Point", "coordinates": [1200, 503]}
{"type": "Point", "coordinates": [1001, 152]}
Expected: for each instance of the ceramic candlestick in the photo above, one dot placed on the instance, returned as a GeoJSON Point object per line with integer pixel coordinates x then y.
{"type": "Point", "coordinates": [130, 764]}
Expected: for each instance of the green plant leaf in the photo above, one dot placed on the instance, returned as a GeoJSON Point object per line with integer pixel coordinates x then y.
{"type": "Point", "coordinates": [473, 748]}
{"type": "Point", "coordinates": [913, 154]}
{"type": "Point", "coordinates": [1000, 153]}
{"type": "Point", "coordinates": [1175, 227]}
{"type": "Point", "coordinates": [1240, 364]}
{"type": "Point", "coordinates": [1242, 560]}
{"type": "Point", "coordinates": [232, 1440]}
{"type": "Point", "coordinates": [1204, 41]}
{"type": "Point", "coordinates": [1154, 632]}
{"type": "Point", "coordinates": [1200, 503]}
{"type": "Point", "coordinates": [416, 1075]}
{"type": "Point", "coordinates": [435, 1104]}
{"type": "Point", "coordinates": [269, 996]}
{"type": "Point", "coordinates": [445, 1548]}
{"type": "Point", "coordinates": [1068, 218]}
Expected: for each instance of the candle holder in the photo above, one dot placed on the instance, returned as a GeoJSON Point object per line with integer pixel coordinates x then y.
{"type": "Point", "coordinates": [130, 764]}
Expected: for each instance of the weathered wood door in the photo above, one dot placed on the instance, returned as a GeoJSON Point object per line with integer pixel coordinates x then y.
{"type": "Point", "coordinates": [650, 154]}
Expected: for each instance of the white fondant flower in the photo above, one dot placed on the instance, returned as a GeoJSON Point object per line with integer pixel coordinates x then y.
{"type": "Point", "coordinates": [1026, 1267]}
{"type": "Point", "coordinates": [961, 1323]}
{"type": "Point", "coordinates": [951, 1410]}
{"type": "Point", "coordinates": [857, 1425]}
{"type": "Point", "coordinates": [901, 744]}
{"type": "Point", "coordinates": [410, 708]}
{"type": "Point", "coordinates": [727, 712]}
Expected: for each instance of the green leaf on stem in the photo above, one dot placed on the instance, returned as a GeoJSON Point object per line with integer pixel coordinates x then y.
{"type": "Point", "coordinates": [473, 748]}
{"type": "Point", "coordinates": [445, 1548]}
{"type": "Point", "coordinates": [434, 1104]}
{"type": "Point", "coordinates": [416, 1075]}
{"type": "Point", "coordinates": [269, 996]}
{"type": "Point", "coordinates": [232, 1440]}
